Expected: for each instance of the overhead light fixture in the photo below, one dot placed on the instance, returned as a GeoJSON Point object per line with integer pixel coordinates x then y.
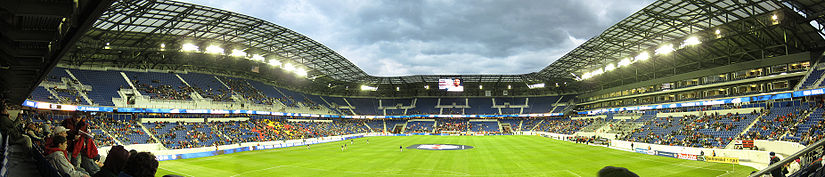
{"type": "Point", "coordinates": [480, 87]}
{"type": "Point", "coordinates": [426, 87]}
{"type": "Point", "coordinates": [690, 41]}
{"type": "Point", "coordinates": [301, 72]}
{"type": "Point", "coordinates": [610, 67]}
{"type": "Point", "coordinates": [397, 89]}
{"type": "Point", "coordinates": [214, 49]}
{"type": "Point", "coordinates": [107, 46]}
{"type": "Point", "coordinates": [718, 33]}
{"type": "Point", "coordinates": [189, 47]}
{"type": "Point", "coordinates": [258, 57]}
{"type": "Point", "coordinates": [642, 56]}
{"type": "Point", "coordinates": [274, 62]}
{"type": "Point", "coordinates": [664, 49]}
{"type": "Point", "coordinates": [368, 88]}
{"type": "Point", "coordinates": [289, 67]}
{"type": "Point", "coordinates": [162, 45]}
{"type": "Point", "coordinates": [509, 87]}
{"type": "Point", "coordinates": [624, 62]}
{"type": "Point", "coordinates": [238, 53]}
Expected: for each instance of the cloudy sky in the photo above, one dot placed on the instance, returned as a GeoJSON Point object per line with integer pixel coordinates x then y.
{"type": "Point", "coordinates": [411, 37]}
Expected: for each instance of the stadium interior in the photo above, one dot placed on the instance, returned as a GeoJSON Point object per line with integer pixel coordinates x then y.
{"type": "Point", "coordinates": [720, 79]}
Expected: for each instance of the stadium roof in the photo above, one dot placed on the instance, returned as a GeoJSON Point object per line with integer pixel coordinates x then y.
{"type": "Point", "coordinates": [668, 21]}
{"type": "Point", "coordinates": [130, 32]}
{"type": "Point", "coordinates": [34, 35]}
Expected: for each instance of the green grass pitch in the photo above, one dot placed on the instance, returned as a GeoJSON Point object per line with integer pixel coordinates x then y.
{"type": "Point", "coordinates": [492, 156]}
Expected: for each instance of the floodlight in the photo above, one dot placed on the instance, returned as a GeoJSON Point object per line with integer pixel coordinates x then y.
{"type": "Point", "coordinates": [107, 46]}
{"type": "Point", "coordinates": [258, 57]}
{"type": "Point", "coordinates": [189, 47]}
{"type": "Point", "coordinates": [610, 67]}
{"type": "Point", "coordinates": [693, 40]}
{"type": "Point", "coordinates": [301, 72]}
{"type": "Point", "coordinates": [665, 49]}
{"type": "Point", "coordinates": [214, 49]}
{"type": "Point", "coordinates": [624, 62]}
{"type": "Point", "coordinates": [238, 53]}
{"type": "Point", "coordinates": [480, 87]}
{"type": "Point", "coordinates": [509, 87]}
{"type": "Point", "coordinates": [397, 89]}
{"type": "Point", "coordinates": [642, 56]}
{"type": "Point", "coordinates": [289, 67]}
{"type": "Point", "coordinates": [162, 45]}
{"type": "Point", "coordinates": [274, 62]}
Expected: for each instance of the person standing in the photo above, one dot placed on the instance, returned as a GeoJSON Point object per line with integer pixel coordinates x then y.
{"type": "Point", "coordinates": [401, 148]}
{"type": "Point", "coordinates": [778, 171]}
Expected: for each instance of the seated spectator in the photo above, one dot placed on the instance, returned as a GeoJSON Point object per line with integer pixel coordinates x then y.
{"type": "Point", "coordinates": [142, 164]}
{"type": "Point", "coordinates": [115, 161]}
{"type": "Point", "coordinates": [59, 157]}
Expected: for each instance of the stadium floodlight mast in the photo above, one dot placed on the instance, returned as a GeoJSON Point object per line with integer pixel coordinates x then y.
{"type": "Point", "coordinates": [189, 47]}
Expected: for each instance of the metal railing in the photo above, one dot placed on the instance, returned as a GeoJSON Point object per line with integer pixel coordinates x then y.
{"type": "Point", "coordinates": [806, 156]}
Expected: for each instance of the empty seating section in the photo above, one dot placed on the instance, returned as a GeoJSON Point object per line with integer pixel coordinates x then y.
{"type": "Point", "coordinates": [364, 106]}
{"type": "Point", "coordinates": [419, 127]}
{"type": "Point", "coordinates": [481, 106]}
{"type": "Point", "coordinates": [425, 106]}
{"type": "Point", "coordinates": [41, 94]}
{"type": "Point", "coordinates": [484, 126]}
{"type": "Point", "coordinates": [453, 101]}
{"type": "Point", "coordinates": [105, 85]}
{"type": "Point", "coordinates": [541, 104]}
{"type": "Point", "coordinates": [394, 112]}
{"type": "Point", "coordinates": [396, 102]}
{"type": "Point", "coordinates": [159, 85]}
{"type": "Point", "coordinates": [250, 93]}
{"type": "Point", "coordinates": [815, 75]}
{"type": "Point", "coordinates": [336, 102]}
{"type": "Point", "coordinates": [57, 74]}
{"type": "Point", "coordinates": [293, 96]}
{"type": "Point", "coordinates": [510, 110]}
{"type": "Point", "coordinates": [207, 86]}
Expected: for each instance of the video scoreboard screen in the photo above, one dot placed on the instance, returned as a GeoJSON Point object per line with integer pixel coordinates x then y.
{"type": "Point", "coordinates": [451, 84]}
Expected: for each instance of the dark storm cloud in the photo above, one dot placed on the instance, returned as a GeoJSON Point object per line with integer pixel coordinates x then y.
{"type": "Point", "coordinates": [405, 37]}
